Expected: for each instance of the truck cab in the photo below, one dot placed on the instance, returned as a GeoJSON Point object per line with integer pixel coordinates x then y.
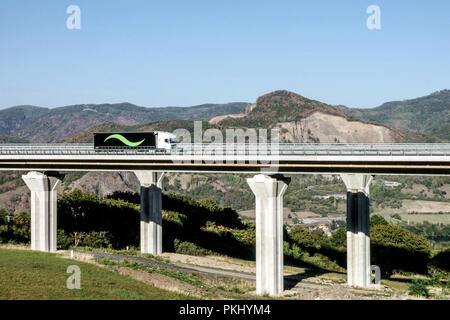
{"type": "Point", "coordinates": [165, 140]}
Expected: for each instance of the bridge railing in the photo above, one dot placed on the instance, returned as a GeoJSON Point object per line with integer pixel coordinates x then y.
{"type": "Point", "coordinates": [285, 149]}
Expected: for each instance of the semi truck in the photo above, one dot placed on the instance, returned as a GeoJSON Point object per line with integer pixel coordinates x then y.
{"type": "Point", "coordinates": [156, 140]}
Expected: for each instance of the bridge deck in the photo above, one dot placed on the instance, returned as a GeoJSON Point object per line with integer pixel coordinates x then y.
{"type": "Point", "coordinates": [289, 158]}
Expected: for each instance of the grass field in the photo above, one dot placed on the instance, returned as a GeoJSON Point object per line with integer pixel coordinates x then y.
{"type": "Point", "coordinates": [419, 206]}
{"type": "Point", "coordinates": [421, 217]}
{"type": "Point", "coordinates": [27, 274]}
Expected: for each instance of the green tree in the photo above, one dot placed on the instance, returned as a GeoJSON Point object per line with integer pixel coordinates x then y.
{"type": "Point", "coordinates": [339, 238]}
{"type": "Point", "coordinates": [377, 220]}
{"type": "Point", "coordinates": [395, 248]}
{"type": "Point", "coordinates": [301, 236]}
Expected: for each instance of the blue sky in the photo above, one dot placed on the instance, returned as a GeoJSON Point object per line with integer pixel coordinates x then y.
{"type": "Point", "coordinates": [161, 53]}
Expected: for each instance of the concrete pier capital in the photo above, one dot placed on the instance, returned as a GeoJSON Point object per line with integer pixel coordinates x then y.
{"type": "Point", "coordinates": [268, 185]}
{"type": "Point", "coordinates": [39, 182]}
{"type": "Point", "coordinates": [147, 178]}
{"type": "Point", "coordinates": [357, 182]}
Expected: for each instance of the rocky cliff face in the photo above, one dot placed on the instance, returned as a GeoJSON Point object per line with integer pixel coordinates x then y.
{"type": "Point", "coordinates": [327, 128]}
{"type": "Point", "coordinates": [308, 121]}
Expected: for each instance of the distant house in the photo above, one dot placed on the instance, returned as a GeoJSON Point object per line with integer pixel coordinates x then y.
{"type": "Point", "coordinates": [323, 227]}
{"type": "Point", "coordinates": [336, 196]}
{"type": "Point", "coordinates": [391, 184]}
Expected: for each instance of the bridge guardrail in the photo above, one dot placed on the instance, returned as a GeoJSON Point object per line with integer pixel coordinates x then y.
{"type": "Point", "coordinates": [241, 149]}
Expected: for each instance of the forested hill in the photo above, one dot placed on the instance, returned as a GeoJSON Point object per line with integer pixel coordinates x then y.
{"type": "Point", "coordinates": [429, 114]}
{"type": "Point", "coordinates": [39, 124]}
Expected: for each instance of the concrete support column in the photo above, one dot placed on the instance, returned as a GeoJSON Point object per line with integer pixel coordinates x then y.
{"type": "Point", "coordinates": [43, 210]}
{"type": "Point", "coordinates": [358, 229]}
{"type": "Point", "coordinates": [269, 191]}
{"type": "Point", "coordinates": [151, 211]}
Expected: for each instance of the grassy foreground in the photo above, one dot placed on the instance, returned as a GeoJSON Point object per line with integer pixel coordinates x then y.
{"type": "Point", "coordinates": [36, 275]}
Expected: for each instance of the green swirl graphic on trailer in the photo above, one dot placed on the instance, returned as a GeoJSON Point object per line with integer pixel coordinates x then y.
{"type": "Point", "coordinates": [124, 140]}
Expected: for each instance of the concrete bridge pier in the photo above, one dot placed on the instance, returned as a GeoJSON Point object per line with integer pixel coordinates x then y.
{"type": "Point", "coordinates": [44, 194]}
{"type": "Point", "coordinates": [151, 211]}
{"type": "Point", "coordinates": [269, 191]}
{"type": "Point", "coordinates": [358, 229]}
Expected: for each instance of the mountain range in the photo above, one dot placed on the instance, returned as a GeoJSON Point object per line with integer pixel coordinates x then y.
{"type": "Point", "coordinates": [429, 114]}
{"type": "Point", "coordinates": [38, 124]}
{"type": "Point", "coordinates": [299, 119]}
{"type": "Point", "coordinates": [416, 120]}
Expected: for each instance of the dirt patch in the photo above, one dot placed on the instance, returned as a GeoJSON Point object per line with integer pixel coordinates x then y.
{"type": "Point", "coordinates": [428, 206]}
{"type": "Point", "coordinates": [421, 206]}
{"type": "Point", "coordinates": [250, 214]}
{"type": "Point", "coordinates": [307, 291]}
{"type": "Point", "coordinates": [331, 128]}
{"type": "Point", "coordinates": [159, 280]}
{"type": "Point", "coordinates": [306, 214]}
{"type": "Point", "coordinates": [220, 118]}
{"type": "Point", "coordinates": [327, 128]}
{"type": "Point", "coordinates": [218, 262]}
{"type": "Point", "coordinates": [420, 218]}
{"type": "Point", "coordinates": [14, 246]}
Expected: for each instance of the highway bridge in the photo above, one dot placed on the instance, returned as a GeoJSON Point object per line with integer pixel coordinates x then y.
{"type": "Point", "coordinates": [355, 163]}
{"type": "Point", "coordinates": [245, 158]}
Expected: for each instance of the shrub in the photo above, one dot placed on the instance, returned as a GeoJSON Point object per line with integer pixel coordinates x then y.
{"type": "Point", "coordinates": [246, 236]}
{"type": "Point", "coordinates": [225, 240]}
{"type": "Point", "coordinates": [83, 212]}
{"type": "Point", "coordinates": [131, 197]}
{"type": "Point", "coordinates": [323, 261]}
{"type": "Point", "coordinates": [319, 237]}
{"type": "Point", "coordinates": [441, 260]}
{"type": "Point", "coordinates": [286, 248]}
{"type": "Point", "coordinates": [316, 244]}
{"type": "Point", "coordinates": [377, 220]}
{"type": "Point", "coordinates": [186, 247]}
{"type": "Point", "coordinates": [174, 217]}
{"type": "Point", "coordinates": [21, 227]}
{"type": "Point", "coordinates": [3, 214]}
{"type": "Point", "coordinates": [209, 205]}
{"type": "Point", "coordinates": [199, 212]}
{"type": "Point", "coordinates": [93, 239]}
{"type": "Point", "coordinates": [394, 248]}
{"type": "Point", "coordinates": [339, 238]}
{"type": "Point", "coordinates": [97, 239]}
{"type": "Point", "coordinates": [301, 236]}
{"type": "Point", "coordinates": [64, 240]}
{"type": "Point", "coordinates": [396, 216]}
{"type": "Point", "coordinates": [293, 251]}
{"type": "Point", "coordinates": [297, 253]}
{"type": "Point", "coordinates": [4, 234]}
{"type": "Point", "coordinates": [83, 219]}
{"type": "Point", "coordinates": [436, 279]}
{"type": "Point", "coordinates": [418, 287]}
